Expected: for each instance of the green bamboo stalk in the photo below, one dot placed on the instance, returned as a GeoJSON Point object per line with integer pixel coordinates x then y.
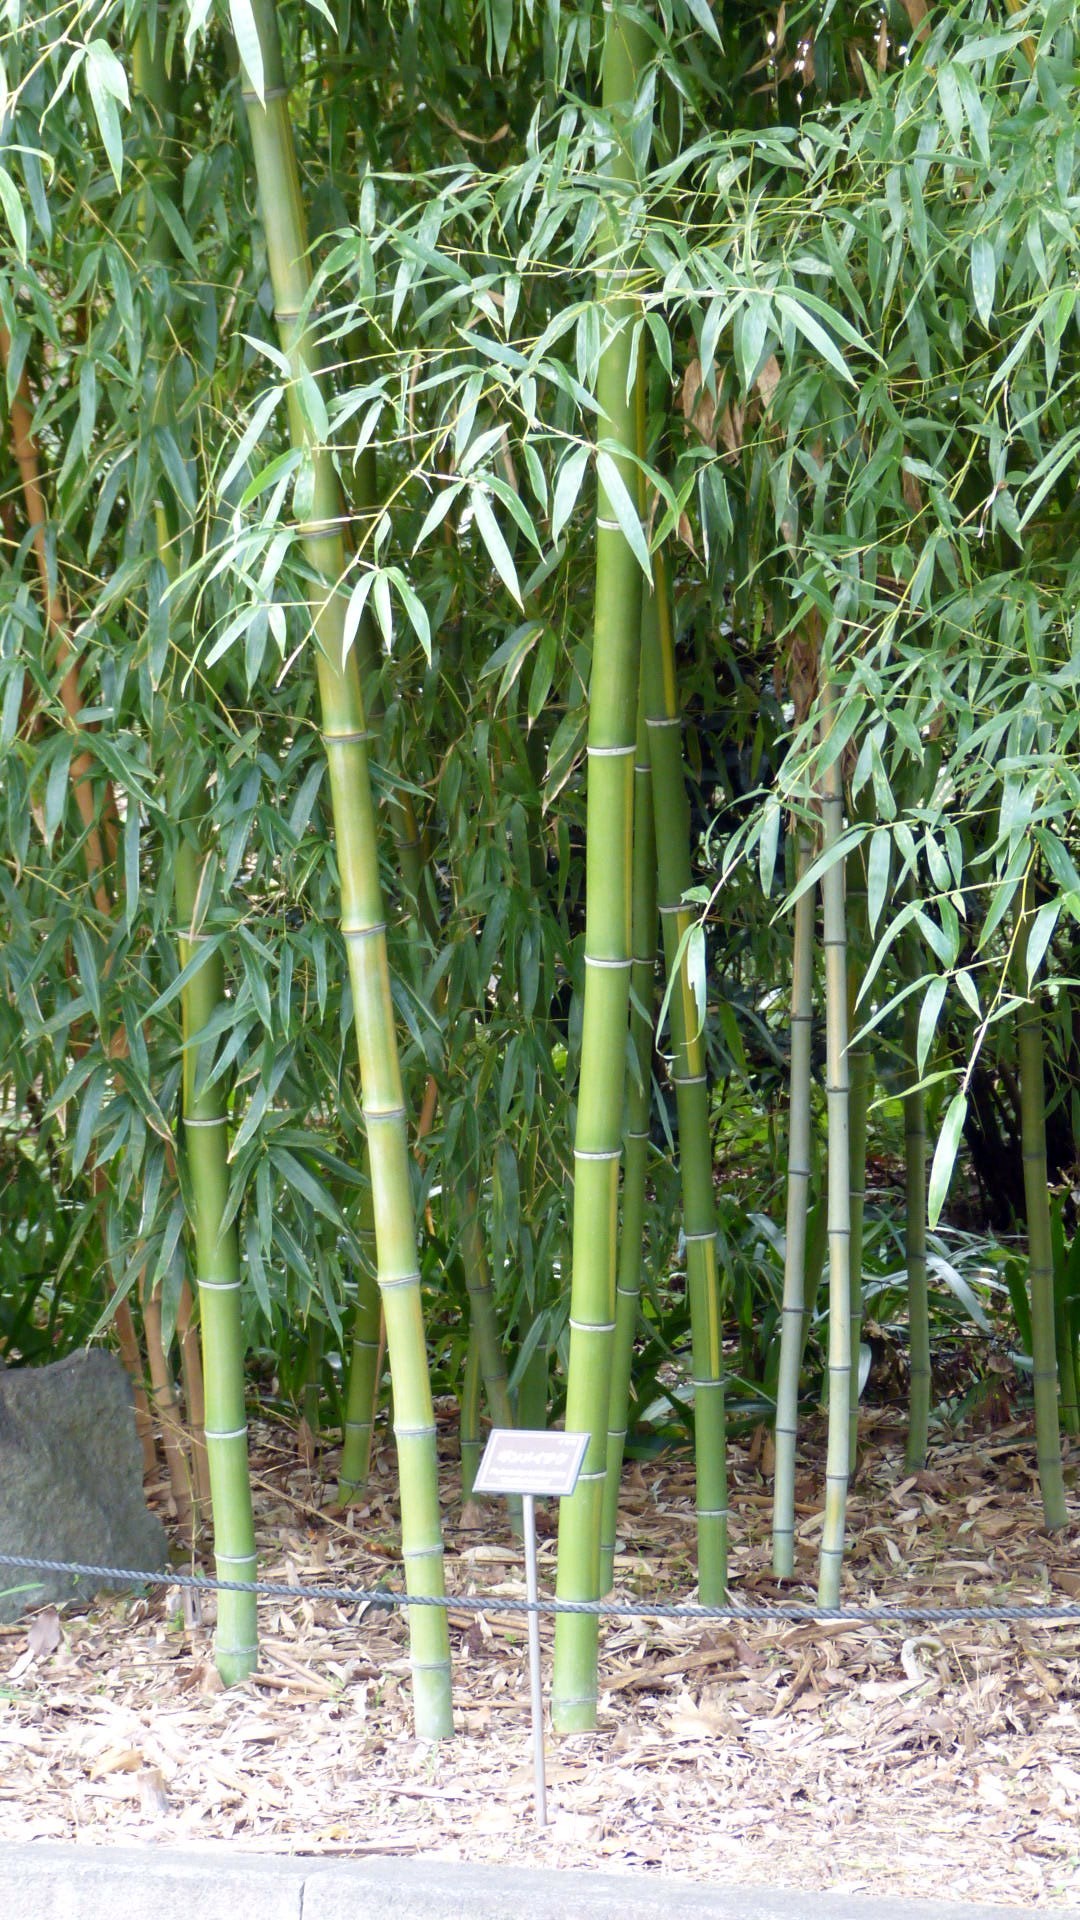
{"type": "Point", "coordinates": [1029, 1031]}
{"type": "Point", "coordinates": [794, 1311]}
{"type": "Point", "coordinates": [345, 738]}
{"type": "Point", "coordinates": [217, 1270]}
{"type": "Point", "coordinates": [636, 1149]}
{"type": "Point", "coordinates": [860, 1072]}
{"type": "Point", "coordinates": [915, 1234]}
{"type": "Point", "coordinates": [691, 1092]}
{"type": "Point", "coordinates": [469, 1417]}
{"type": "Point", "coordinates": [609, 834]}
{"type": "Point", "coordinates": [483, 1319]}
{"type": "Point", "coordinates": [836, 1089]}
{"type": "Point", "coordinates": [362, 1393]}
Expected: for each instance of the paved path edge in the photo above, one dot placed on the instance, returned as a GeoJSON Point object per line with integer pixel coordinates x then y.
{"type": "Point", "coordinates": [43, 1881]}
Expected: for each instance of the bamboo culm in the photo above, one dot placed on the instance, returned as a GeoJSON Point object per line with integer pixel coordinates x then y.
{"type": "Point", "coordinates": [217, 1268]}
{"type": "Point", "coordinates": [915, 1234]}
{"type": "Point", "coordinates": [613, 692]}
{"type": "Point", "coordinates": [794, 1309]}
{"type": "Point", "coordinates": [345, 736]}
{"type": "Point", "coordinates": [836, 1087]}
{"type": "Point", "coordinates": [688, 1074]}
{"type": "Point", "coordinates": [860, 1075]}
{"type": "Point", "coordinates": [636, 1149]}
{"type": "Point", "coordinates": [1040, 1244]}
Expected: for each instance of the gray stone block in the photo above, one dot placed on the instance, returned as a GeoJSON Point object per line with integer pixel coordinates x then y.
{"type": "Point", "coordinates": [45, 1882]}
{"type": "Point", "coordinates": [70, 1477]}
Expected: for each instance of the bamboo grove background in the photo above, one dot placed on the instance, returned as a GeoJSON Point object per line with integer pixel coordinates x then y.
{"type": "Point", "coordinates": [538, 662]}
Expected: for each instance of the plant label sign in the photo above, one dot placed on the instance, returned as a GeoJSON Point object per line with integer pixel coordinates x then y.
{"type": "Point", "coordinates": [533, 1463]}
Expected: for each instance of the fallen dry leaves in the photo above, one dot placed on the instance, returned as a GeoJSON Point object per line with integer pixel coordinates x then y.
{"type": "Point", "coordinates": [845, 1757]}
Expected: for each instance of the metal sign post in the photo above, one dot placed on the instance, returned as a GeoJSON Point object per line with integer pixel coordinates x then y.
{"type": "Point", "coordinates": [531, 1464]}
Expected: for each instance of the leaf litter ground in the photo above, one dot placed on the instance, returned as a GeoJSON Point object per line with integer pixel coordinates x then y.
{"type": "Point", "coordinates": [853, 1758]}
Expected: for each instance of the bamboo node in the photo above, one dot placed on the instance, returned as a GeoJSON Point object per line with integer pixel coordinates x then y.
{"type": "Point", "coordinates": [597, 1153]}
{"type": "Point", "coordinates": [389, 1280]}
{"type": "Point", "coordinates": [232, 1433]}
{"type": "Point", "coordinates": [611, 753]}
{"type": "Point", "coordinates": [596, 960]}
{"type": "Point", "coordinates": [362, 930]}
{"type": "Point", "coordinates": [592, 1326]}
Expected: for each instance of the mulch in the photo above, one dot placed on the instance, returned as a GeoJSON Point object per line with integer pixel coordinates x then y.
{"type": "Point", "coordinates": [853, 1758]}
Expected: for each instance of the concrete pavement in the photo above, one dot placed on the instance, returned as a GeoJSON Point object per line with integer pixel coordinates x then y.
{"type": "Point", "coordinates": [47, 1882]}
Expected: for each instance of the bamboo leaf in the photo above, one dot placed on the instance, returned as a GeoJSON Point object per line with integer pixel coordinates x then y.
{"type": "Point", "coordinates": [878, 868]}
{"type": "Point", "coordinates": [567, 487]}
{"type": "Point", "coordinates": [813, 331]}
{"type": "Point", "coordinates": [107, 82]}
{"type": "Point", "coordinates": [491, 534]}
{"type": "Point", "coordinates": [1042, 931]}
{"type": "Point", "coordinates": [623, 508]}
{"type": "Point", "coordinates": [945, 1156]}
{"type": "Point", "coordinates": [248, 44]}
{"type": "Point", "coordinates": [928, 1019]}
{"type": "Point", "coordinates": [250, 437]}
{"type": "Point", "coordinates": [14, 213]}
{"type": "Point", "coordinates": [983, 276]}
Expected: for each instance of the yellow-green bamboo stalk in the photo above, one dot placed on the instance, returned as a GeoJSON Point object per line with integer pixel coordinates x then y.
{"type": "Point", "coordinates": [613, 690]}
{"type": "Point", "coordinates": [362, 1392]}
{"type": "Point", "coordinates": [836, 1089]}
{"type": "Point", "coordinates": [795, 1307]}
{"type": "Point", "coordinates": [469, 1416]}
{"type": "Point", "coordinates": [345, 737]}
{"type": "Point", "coordinates": [217, 1268]}
{"type": "Point", "coordinates": [688, 1075]}
{"type": "Point", "coordinates": [915, 1235]}
{"type": "Point", "coordinates": [1040, 1240]}
{"type": "Point", "coordinates": [636, 1150]}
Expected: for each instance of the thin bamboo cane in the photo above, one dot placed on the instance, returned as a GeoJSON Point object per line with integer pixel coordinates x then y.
{"type": "Point", "coordinates": [613, 689]}
{"type": "Point", "coordinates": [1040, 1240]}
{"type": "Point", "coordinates": [836, 1078]}
{"type": "Point", "coordinates": [345, 736]}
{"type": "Point", "coordinates": [636, 1149]}
{"type": "Point", "coordinates": [915, 1234]}
{"type": "Point", "coordinates": [794, 1308]}
{"type": "Point", "coordinates": [368, 1341]}
{"type": "Point", "coordinates": [173, 1437]}
{"type": "Point", "coordinates": [691, 1094]}
{"type": "Point", "coordinates": [469, 1417]}
{"type": "Point", "coordinates": [217, 1267]}
{"type": "Point", "coordinates": [860, 1072]}
{"type": "Point", "coordinates": [194, 1400]}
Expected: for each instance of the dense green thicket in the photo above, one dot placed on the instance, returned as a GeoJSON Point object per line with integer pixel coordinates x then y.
{"type": "Point", "coordinates": [413, 417]}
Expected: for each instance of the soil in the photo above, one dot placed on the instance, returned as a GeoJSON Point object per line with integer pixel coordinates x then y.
{"type": "Point", "coordinates": [853, 1758]}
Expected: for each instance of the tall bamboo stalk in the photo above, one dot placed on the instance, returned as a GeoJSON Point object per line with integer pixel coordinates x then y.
{"type": "Point", "coordinates": [795, 1306]}
{"type": "Point", "coordinates": [217, 1267]}
{"type": "Point", "coordinates": [1040, 1239]}
{"type": "Point", "coordinates": [469, 1416]}
{"type": "Point", "coordinates": [860, 1074]}
{"type": "Point", "coordinates": [345, 737]}
{"type": "Point", "coordinates": [836, 1088]}
{"type": "Point", "coordinates": [636, 1150]}
{"type": "Point", "coordinates": [915, 1233]}
{"type": "Point", "coordinates": [613, 690]}
{"type": "Point", "coordinates": [689, 1078]}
